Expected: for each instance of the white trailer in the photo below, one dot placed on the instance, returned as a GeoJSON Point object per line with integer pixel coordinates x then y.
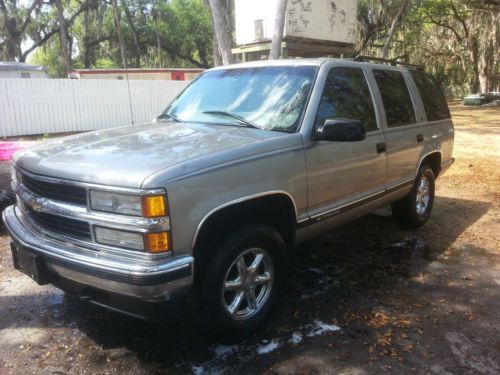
{"type": "Point", "coordinates": [14, 69]}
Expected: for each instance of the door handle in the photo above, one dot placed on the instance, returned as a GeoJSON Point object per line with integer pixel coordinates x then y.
{"type": "Point", "coordinates": [420, 137]}
{"type": "Point", "coordinates": [381, 147]}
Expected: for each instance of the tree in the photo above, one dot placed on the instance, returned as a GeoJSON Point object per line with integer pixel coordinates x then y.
{"type": "Point", "coordinates": [457, 40]}
{"type": "Point", "coordinates": [396, 21]}
{"type": "Point", "coordinates": [222, 29]}
{"type": "Point", "coordinates": [63, 35]}
{"type": "Point", "coordinates": [116, 17]}
{"type": "Point", "coordinates": [13, 28]}
{"type": "Point", "coordinates": [279, 26]}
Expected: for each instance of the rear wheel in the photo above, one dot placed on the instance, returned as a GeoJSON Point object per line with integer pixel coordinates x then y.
{"type": "Point", "coordinates": [240, 286]}
{"type": "Point", "coordinates": [414, 210]}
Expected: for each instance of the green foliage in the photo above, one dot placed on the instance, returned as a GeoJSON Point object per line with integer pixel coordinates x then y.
{"type": "Point", "coordinates": [105, 63]}
{"type": "Point", "coordinates": [454, 39]}
{"type": "Point", "coordinates": [49, 56]}
{"type": "Point", "coordinates": [162, 33]}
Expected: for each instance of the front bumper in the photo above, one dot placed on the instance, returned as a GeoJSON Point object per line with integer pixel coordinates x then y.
{"type": "Point", "coordinates": [152, 281]}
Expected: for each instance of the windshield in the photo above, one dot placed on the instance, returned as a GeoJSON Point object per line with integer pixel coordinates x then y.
{"type": "Point", "coordinates": [270, 98]}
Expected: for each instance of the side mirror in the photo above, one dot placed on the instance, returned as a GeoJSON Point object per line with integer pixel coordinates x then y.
{"type": "Point", "coordinates": [341, 130]}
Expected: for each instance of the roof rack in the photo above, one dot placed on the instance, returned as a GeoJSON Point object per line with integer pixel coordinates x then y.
{"type": "Point", "coordinates": [393, 62]}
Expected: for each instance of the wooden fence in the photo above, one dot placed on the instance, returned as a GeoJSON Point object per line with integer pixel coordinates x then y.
{"type": "Point", "coordinates": [39, 106]}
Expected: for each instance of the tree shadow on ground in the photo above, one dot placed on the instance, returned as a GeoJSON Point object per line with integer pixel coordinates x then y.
{"type": "Point", "coordinates": [352, 269]}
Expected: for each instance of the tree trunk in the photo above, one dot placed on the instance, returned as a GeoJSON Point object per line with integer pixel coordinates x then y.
{"type": "Point", "coordinates": [222, 30]}
{"type": "Point", "coordinates": [394, 25]}
{"type": "Point", "coordinates": [134, 34]}
{"type": "Point", "coordinates": [63, 35]}
{"type": "Point", "coordinates": [476, 84]}
{"type": "Point", "coordinates": [86, 58]}
{"type": "Point", "coordinates": [158, 42]}
{"type": "Point", "coordinates": [116, 17]}
{"type": "Point", "coordinates": [279, 27]}
{"type": "Point", "coordinates": [217, 57]}
{"type": "Point", "coordinates": [491, 56]}
{"type": "Point", "coordinates": [13, 39]}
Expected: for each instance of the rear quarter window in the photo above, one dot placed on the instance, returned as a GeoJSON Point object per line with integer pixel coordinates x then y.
{"type": "Point", "coordinates": [434, 101]}
{"type": "Point", "coordinates": [396, 98]}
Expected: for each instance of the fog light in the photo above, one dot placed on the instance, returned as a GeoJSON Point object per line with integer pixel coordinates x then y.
{"type": "Point", "coordinates": [119, 238]}
{"type": "Point", "coordinates": [157, 242]}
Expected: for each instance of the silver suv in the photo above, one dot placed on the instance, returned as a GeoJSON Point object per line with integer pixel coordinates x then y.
{"type": "Point", "coordinates": [247, 161]}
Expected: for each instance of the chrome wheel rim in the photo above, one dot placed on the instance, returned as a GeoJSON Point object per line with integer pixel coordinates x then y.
{"type": "Point", "coordinates": [247, 284]}
{"type": "Point", "coordinates": [423, 195]}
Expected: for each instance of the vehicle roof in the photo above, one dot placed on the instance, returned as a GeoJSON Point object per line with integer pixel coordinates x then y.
{"type": "Point", "coordinates": [309, 62]}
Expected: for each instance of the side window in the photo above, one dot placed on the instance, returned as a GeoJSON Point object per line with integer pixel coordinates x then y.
{"type": "Point", "coordinates": [431, 95]}
{"type": "Point", "coordinates": [346, 95]}
{"type": "Point", "coordinates": [395, 97]}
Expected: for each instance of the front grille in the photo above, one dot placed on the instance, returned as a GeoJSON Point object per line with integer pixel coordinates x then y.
{"type": "Point", "coordinates": [59, 192]}
{"type": "Point", "coordinates": [61, 225]}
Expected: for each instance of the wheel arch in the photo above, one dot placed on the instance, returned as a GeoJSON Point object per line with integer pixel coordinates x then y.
{"type": "Point", "coordinates": [433, 159]}
{"type": "Point", "coordinates": [275, 208]}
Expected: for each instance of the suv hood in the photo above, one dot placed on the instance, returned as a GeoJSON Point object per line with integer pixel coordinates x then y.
{"type": "Point", "coordinates": [127, 156]}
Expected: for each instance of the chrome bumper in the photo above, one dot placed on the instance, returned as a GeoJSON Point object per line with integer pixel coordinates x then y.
{"type": "Point", "coordinates": [145, 279]}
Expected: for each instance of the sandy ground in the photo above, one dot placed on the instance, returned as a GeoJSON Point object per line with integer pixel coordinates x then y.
{"type": "Point", "coordinates": [365, 299]}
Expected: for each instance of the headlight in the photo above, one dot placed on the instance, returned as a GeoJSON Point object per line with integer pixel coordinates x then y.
{"type": "Point", "coordinates": [128, 204]}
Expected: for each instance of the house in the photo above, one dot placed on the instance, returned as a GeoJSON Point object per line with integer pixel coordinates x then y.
{"type": "Point", "coordinates": [313, 28]}
{"type": "Point", "coordinates": [181, 74]}
{"type": "Point", "coordinates": [14, 69]}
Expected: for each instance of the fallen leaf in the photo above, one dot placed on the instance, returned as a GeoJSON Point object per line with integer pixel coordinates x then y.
{"type": "Point", "coordinates": [408, 347]}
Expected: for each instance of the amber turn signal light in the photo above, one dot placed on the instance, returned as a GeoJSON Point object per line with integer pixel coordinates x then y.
{"type": "Point", "coordinates": [154, 206]}
{"type": "Point", "coordinates": [157, 242]}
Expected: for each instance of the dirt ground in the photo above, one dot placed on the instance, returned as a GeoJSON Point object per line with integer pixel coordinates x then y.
{"type": "Point", "coordinates": [365, 299]}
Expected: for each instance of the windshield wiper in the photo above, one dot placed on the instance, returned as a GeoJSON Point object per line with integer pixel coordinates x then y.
{"type": "Point", "coordinates": [243, 120]}
{"type": "Point", "coordinates": [169, 115]}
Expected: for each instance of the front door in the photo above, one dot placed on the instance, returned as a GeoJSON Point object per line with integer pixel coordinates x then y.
{"type": "Point", "coordinates": [344, 173]}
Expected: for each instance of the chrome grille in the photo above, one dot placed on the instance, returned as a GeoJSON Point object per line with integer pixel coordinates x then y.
{"type": "Point", "coordinates": [52, 190]}
{"type": "Point", "coordinates": [61, 225]}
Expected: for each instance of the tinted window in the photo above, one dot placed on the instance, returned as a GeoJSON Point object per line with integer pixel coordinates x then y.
{"type": "Point", "coordinates": [346, 95]}
{"type": "Point", "coordinates": [431, 95]}
{"type": "Point", "coordinates": [396, 98]}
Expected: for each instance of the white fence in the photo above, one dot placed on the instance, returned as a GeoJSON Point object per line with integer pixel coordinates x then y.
{"type": "Point", "coordinates": [39, 106]}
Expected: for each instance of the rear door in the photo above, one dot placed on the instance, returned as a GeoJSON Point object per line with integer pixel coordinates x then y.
{"type": "Point", "coordinates": [343, 173]}
{"type": "Point", "coordinates": [404, 136]}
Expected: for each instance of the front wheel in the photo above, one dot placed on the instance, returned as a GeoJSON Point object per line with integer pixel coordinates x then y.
{"type": "Point", "coordinates": [414, 210]}
{"type": "Point", "coordinates": [240, 286]}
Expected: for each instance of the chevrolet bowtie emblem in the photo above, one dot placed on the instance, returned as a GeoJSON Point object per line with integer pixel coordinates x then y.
{"type": "Point", "coordinates": [36, 206]}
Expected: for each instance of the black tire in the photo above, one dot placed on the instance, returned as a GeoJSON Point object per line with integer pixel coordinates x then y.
{"type": "Point", "coordinates": [407, 212]}
{"type": "Point", "coordinates": [6, 199]}
{"type": "Point", "coordinates": [212, 302]}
